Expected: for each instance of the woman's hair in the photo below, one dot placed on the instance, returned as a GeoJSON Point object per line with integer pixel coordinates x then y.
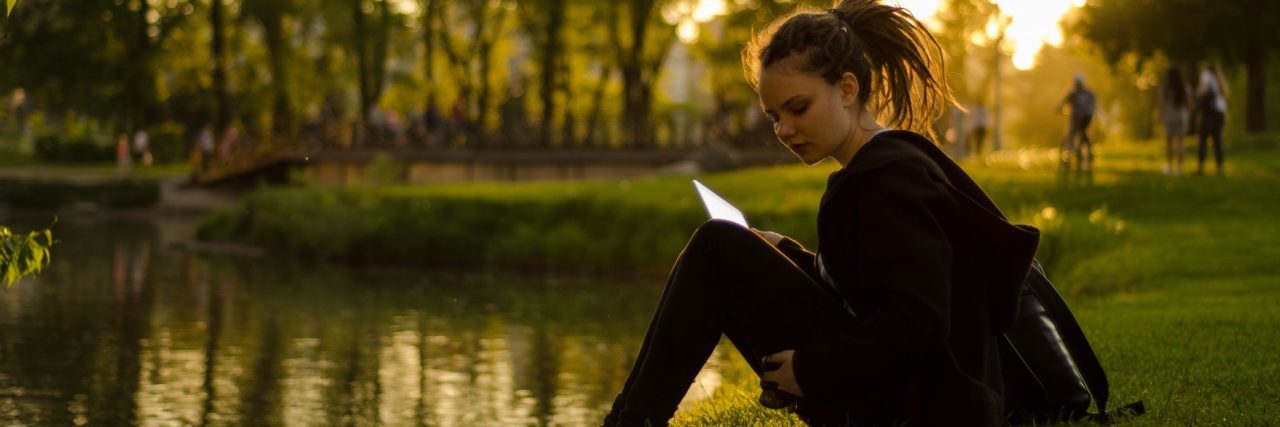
{"type": "Point", "coordinates": [1175, 87]}
{"type": "Point", "coordinates": [897, 62]}
{"type": "Point", "coordinates": [1217, 77]}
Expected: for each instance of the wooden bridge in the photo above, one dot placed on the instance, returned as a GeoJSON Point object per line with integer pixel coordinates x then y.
{"type": "Point", "coordinates": [340, 167]}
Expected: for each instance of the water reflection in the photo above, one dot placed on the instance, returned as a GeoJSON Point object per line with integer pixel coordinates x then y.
{"type": "Point", "coordinates": [122, 330]}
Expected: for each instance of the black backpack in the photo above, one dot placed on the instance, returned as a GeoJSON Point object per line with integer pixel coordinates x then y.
{"type": "Point", "coordinates": [1050, 371]}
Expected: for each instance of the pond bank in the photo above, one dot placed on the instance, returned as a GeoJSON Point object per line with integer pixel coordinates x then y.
{"type": "Point", "coordinates": [90, 191]}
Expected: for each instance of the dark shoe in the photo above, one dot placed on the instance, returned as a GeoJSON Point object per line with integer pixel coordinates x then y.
{"type": "Point", "coordinates": [777, 399]}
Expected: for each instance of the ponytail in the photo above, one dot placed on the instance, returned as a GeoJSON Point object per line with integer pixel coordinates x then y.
{"type": "Point", "coordinates": [897, 62]}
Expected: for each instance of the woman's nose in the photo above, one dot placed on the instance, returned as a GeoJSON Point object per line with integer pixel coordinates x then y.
{"type": "Point", "coordinates": [784, 130]}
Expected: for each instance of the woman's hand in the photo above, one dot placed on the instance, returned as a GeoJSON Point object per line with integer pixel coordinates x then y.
{"type": "Point", "coordinates": [770, 236]}
{"type": "Point", "coordinates": [784, 375]}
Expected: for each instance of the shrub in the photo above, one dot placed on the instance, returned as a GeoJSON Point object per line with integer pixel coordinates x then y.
{"type": "Point", "coordinates": [43, 194]}
{"type": "Point", "coordinates": [167, 143]}
{"type": "Point", "coordinates": [72, 149]}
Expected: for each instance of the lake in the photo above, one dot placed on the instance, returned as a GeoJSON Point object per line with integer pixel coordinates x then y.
{"type": "Point", "coordinates": [126, 327]}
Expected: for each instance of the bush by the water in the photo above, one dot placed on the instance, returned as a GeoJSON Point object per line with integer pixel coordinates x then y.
{"type": "Point", "coordinates": [55, 148]}
{"type": "Point", "coordinates": [47, 194]}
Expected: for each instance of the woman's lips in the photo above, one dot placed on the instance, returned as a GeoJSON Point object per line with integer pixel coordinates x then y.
{"type": "Point", "coordinates": [798, 146]}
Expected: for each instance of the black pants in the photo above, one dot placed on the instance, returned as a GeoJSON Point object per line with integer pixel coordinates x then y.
{"type": "Point", "coordinates": [727, 281]}
{"type": "Point", "coordinates": [1211, 122]}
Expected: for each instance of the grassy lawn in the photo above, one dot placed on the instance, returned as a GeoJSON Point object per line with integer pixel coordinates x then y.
{"type": "Point", "coordinates": [1175, 279]}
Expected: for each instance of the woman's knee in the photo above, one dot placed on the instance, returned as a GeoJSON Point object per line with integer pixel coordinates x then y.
{"type": "Point", "coordinates": [721, 231]}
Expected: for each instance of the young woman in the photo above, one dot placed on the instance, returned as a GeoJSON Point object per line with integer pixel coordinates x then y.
{"type": "Point", "coordinates": [894, 320]}
{"type": "Point", "coordinates": [1175, 111]}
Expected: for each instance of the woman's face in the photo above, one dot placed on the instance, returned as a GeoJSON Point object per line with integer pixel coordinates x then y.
{"type": "Point", "coordinates": [811, 117]}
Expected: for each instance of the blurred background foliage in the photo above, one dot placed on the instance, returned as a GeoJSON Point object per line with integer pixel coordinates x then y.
{"type": "Point", "coordinates": [495, 74]}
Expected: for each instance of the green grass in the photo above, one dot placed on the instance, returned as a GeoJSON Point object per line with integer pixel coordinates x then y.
{"type": "Point", "coordinates": [1175, 280]}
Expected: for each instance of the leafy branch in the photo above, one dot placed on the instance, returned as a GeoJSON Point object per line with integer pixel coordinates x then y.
{"type": "Point", "coordinates": [23, 255]}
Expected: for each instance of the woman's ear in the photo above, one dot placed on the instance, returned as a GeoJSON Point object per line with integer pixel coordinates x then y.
{"type": "Point", "coordinates": [848, 85]}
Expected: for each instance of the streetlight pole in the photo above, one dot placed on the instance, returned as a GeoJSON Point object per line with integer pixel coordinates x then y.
{"type": "Point", "coordinates": [995, 101]}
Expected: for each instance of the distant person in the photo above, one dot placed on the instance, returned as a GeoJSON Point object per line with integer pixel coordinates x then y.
{"type": "Point", "coordinates": [896, 321]}
{"type": "Point", "coordinates": [142, 147]}
{"type": "Point", "coordinates": [1211, 107]}
{"type": "Point", "coordinates": [978, 123]}
{"type": "Point", "coordinates": [1081, 104]}
{"type": "Point", "coordinates": [435, 126]}
{"type": "Point", "coordinates": [457, 121]}
{"type": "Point", "coordinates": [205, 143]}
{"type": "Point", "coordinates": [124, 159]}
{"type": "Point", "coordinates": [1175, 114]}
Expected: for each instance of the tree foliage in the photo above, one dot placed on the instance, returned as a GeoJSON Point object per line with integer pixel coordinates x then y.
{"type": "Point", "coordinates": [23, 255]}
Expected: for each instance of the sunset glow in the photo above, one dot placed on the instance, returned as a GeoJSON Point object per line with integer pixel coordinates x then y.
{"type": "Point", "coordinates": [1032, 23]}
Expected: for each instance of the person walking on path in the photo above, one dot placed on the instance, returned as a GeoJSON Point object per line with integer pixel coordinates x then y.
{"type": "Point", "coordinates": [1211, 107]}
{"type": "Point", "coordinates": [895, 318]}
{"type": "Point", "coordinates": [978, 123]}
{"type": "Point", "coordinates": [1081, 104]}
{"type": "Point", "coordinates": [1175, 114]}
{"type": "Point", "coordinates": [124, 160]}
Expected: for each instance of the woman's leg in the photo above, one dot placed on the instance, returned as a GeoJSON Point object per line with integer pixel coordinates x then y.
{"type": "Point", "coordinates": [727, 281]}
{"type": "Point", "coordinates": [1178, 139]}
{"type": "Point", "coordinates": [1217, 140]}
{"type": "Point", "coordinates": [1206, 122]}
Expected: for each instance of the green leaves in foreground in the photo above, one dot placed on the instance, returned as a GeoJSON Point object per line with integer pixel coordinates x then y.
{"type": "Point", "coordinates": [23, 255]}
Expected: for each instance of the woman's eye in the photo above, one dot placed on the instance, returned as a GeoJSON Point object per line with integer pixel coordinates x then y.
{"type": "Point", "coordinates": [799, 111]}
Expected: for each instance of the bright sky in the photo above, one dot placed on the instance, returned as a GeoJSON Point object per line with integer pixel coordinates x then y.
{"type": "Point", "coordinates": [1033, 22]}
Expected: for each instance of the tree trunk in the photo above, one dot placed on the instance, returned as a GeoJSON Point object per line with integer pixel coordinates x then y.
{"type": "Point", "coordinates": [273, 35]}
{"type": "Point", "coordinates": [139, 71]}
{"type": "Point", "coordinates": [550, 69]}
{"type": "Point", "coordinates": [1256, 63]}
{"type": "Point", "coordinates": [221, 107]}
{"type": "Point", "coordinates": [635, 110]}
{"type": "Point", "coordinates": [429, 45]}
{"type": "Point", "coordinates": [362, 72]}
{"type": "Point", "coordinates": [597, 104]}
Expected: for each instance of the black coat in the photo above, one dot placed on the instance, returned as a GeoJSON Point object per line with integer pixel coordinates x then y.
{"type": "Point", "coordinates": [932, 271]}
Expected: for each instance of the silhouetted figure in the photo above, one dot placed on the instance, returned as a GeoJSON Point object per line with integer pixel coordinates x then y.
{"type": "Point", "coordinates": [205, 143]}
{"type": "Point", "coordinates": [1211, 107]}
{"type": "Point", "coordinates": [1175, 115]}
{"type": "Point", "coordinates": [978, 122]}
{"type": "Point", "coordinates": [1081, 105]}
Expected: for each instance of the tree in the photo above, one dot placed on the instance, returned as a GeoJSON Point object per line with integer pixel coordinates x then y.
{"type": "Point", "coordinates": [218, 47]}
{"type": "Point", "coordinates": [1245, 33]}
{"type": "Point", "coordinates": [273, 16]}
{"type": "Point", "coordinates": [472, 62]}
{"type": "Point", "coordinates": [643, 41]}
{"type": "Point", "coordinates": [544, 21]}
{"type": "Point", "coordinates": [69, 62]}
